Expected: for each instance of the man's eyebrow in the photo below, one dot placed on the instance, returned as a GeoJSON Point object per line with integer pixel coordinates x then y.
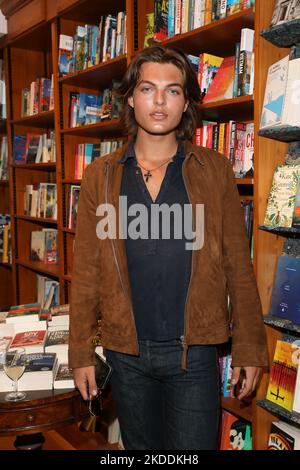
{"type": "Point", "coordinates": [168, 85]}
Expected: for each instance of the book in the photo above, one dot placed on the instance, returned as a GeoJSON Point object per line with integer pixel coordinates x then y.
{"type": "Point", "coordinates": [285, 300]}
{"type": "Point", "coordinates": [31, 341]}
{"type": "Point", "coordinates": [65, 54]}
{"type": "Point", "coordinates": [274, 93]}
{"type": "Point", "coordinates": [57, 342]}
{"type": "Point", "coordinates": [23, 313]}
{"type": "Point", "coordinates": [281, 200]}
{"type": "Point", "coordinates": [64, 377]}
{"type": "Point", "coordinates": [285, 10]}
{"type": "Point", "coordinates": [39, 373]}
{"type": "Point", "coordinates": [281, 387]}
{"type": "Point", "coordinates": [283, 436]}
{"type": "Point", "coordinates": [221, 87]}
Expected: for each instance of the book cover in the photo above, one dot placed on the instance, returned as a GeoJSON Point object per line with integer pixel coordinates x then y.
{"type": "Point", "coordinates": [221, 87]}
{"type": "Point", "coordinates": [51, 253]}
{"type": "Point", "coordinates": [281, 200]}
{"type": "Point", "coordinates": [20, 149]}
{"type": "Point", "coordinates": [283, 373]}
{"type": "Point", "coordinates": [285, 299]}
{"type": "Point", "coordinates": [37, 246]}
{"type": "Point", "coordinates": [160, 20]}
{"type": "Point", "coordinates": [274, 93]}
{"type": "Point", "coordinates": [28, 338]}
{"type": "Point", "coordinates": [63, 377]}
{"type": "Point", "coordinates": [283, 437]}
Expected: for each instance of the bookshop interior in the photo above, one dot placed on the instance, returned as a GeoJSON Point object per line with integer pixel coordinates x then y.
{"type": "Point", "coordinates": [61, 65]}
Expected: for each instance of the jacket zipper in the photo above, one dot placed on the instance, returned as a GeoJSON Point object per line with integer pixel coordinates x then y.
{"type": "Point", "coordinates": [116, 259]}
{"type": "Point", "coordinates": [185, 317]}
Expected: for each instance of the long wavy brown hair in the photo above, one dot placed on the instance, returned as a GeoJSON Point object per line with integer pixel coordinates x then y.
{"type": "Point", "coordinates": [191, 118]}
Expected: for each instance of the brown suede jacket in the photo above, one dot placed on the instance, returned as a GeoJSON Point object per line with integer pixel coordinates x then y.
{"type": "Point", "coordinates": [100, 282]}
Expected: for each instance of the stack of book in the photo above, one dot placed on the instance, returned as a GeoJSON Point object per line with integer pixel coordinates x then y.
{"type": "Point", "coordinates": [93, 44]}
{"type": "Point", "coordinates": [38, 98]}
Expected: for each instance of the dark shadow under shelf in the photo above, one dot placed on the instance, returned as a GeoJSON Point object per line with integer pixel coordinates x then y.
{"type": "Point", "coordinates": [283, 35]}
{"type": "Point", "coordinates": [102, 73]}
{"type": "Point", "coordinates": [44, 120]}
{"type": "Point", "coordinates": [281, 133]}
{"type": "Point", "coordinates": [237, 407]}
{"type": "Point", "coordinates": [283, 231]}
{"type": "Point", "coordinates": [104, 128]}
{"type": "Point", "coordinates": [282, 323]}
{"type": "Point", "coordinates": [241, 108]}
{"type": "Point", "coordinates": [290, 416]}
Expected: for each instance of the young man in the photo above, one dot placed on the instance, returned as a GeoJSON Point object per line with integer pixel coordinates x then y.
{"type": "Point", "coordinates": [160, 298]}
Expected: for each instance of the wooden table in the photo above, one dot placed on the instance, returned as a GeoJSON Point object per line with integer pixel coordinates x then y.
{"type": "Point", "coordinates": [40, 411]}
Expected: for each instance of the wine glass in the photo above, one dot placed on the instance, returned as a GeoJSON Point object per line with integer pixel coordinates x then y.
{"type": "Point", "coordinates": [14, 362]}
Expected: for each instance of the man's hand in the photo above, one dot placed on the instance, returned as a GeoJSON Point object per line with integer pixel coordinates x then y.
{"type": "Point", "coordinates": [250, 381]}
{"type": "Point", "coordinates": [84, 378]}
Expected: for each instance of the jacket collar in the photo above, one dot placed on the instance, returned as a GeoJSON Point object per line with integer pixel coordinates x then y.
{"type": "Point", "coordinates": [127, 150]}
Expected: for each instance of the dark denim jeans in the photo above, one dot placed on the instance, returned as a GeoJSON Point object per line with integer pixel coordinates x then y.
{"type": "Point", "coordinates": [161, 406]}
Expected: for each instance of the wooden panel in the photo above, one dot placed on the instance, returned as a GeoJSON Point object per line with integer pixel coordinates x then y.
{"type": "Point", "coordinates": [64, 4]}
{"type": "Point", "coordinates": [30, 15]}
{"type": "Point", "coordinates": [26, 67]}
{"type": "Point", "coordinates": [267, 247]}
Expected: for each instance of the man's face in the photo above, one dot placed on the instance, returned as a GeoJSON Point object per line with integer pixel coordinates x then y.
{"type": "Point", "coordinates": [158, 98]}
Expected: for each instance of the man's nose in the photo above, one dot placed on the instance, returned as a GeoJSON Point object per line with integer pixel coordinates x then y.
{"type": "Point", "coordinates": [159, 97]}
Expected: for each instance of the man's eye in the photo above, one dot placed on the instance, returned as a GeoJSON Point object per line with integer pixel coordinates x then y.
{"type": "Point", "coordinates": [145, 89]}
{"type": "Point", "coordinates": [174, 92]}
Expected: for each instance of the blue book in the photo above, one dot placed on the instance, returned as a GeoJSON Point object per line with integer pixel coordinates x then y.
{"type": "Point", "coordinates": [20, 150]}
{"type": "Point", "coordinates": [285, 299]}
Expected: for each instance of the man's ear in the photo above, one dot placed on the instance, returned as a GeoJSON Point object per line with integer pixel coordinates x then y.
{"type": "Point", "coordinates": [130, 101]}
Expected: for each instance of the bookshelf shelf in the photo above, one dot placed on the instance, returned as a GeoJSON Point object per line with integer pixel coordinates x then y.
{"type": "Point", "coordinates": [281, 133]}
{"type": "Point", "coordinates": [51, 166]}
{"type": "Point", "coordinates": [218, 37]}
{"type": "Point", "coordinates": [38, 266]}
{"type": "Point", "coordinates": [71, 181]}
{"type": "Point", "coordinates": [241, 108]}
{"type": "Point", "coordinates": [67, 277]}
{"type": "Point", "coordinates": [283, 35]}
{"type": "Point", "coordinates": [237, 407]}
{"type": "Point", "coordinates": [68, 230]}
{"type": "Point", "coordinates": [45, 119]}
{"type": "Point", "coordinates": [281, 323]}
{"type": "Point", "coordinates": [39, 220]}
{"type": "Point", "coordinates": [106, 128]}
{"type": "Point", "coordinates": [292, 417]}
{"type": "Point", "coordinates": [283, 231]}
{"type": "Point", "coordinates": [102, 73]}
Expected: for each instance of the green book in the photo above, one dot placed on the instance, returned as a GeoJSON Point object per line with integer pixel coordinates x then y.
{"type": "Point", "coordinates": [281, 201]}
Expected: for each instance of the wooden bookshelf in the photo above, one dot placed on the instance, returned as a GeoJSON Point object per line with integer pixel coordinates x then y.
{"type": "Point", "coordinates": [102, 73]}
{"type": "Point", "coordinates": [237, 407]}
{"type": "Point", "coordinates": [32, 51]}
{"type": "Point", "coordinates": [45, 119]}
{"type": "Point", "coordinates": [101, 129]}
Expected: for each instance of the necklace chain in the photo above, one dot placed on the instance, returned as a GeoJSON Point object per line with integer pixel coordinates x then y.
{"type": "Point", "coordinates": [149, 172]}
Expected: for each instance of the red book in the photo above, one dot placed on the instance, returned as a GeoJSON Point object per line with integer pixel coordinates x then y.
{"type": "Point", "coordinates": [31, 341]}
{"type": "Point", "coordinates": [221, 87]}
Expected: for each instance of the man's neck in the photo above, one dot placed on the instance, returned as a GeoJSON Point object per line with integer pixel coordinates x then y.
{"type": "Point", "coordinates": [155, 148]}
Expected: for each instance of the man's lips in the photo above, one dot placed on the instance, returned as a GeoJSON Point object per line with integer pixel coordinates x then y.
{"type": "Point", "coordinates": [159, 115]}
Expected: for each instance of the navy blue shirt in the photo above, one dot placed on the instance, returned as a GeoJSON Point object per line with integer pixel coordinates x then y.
{"type": "Point", "coordinates": [159, 269]}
